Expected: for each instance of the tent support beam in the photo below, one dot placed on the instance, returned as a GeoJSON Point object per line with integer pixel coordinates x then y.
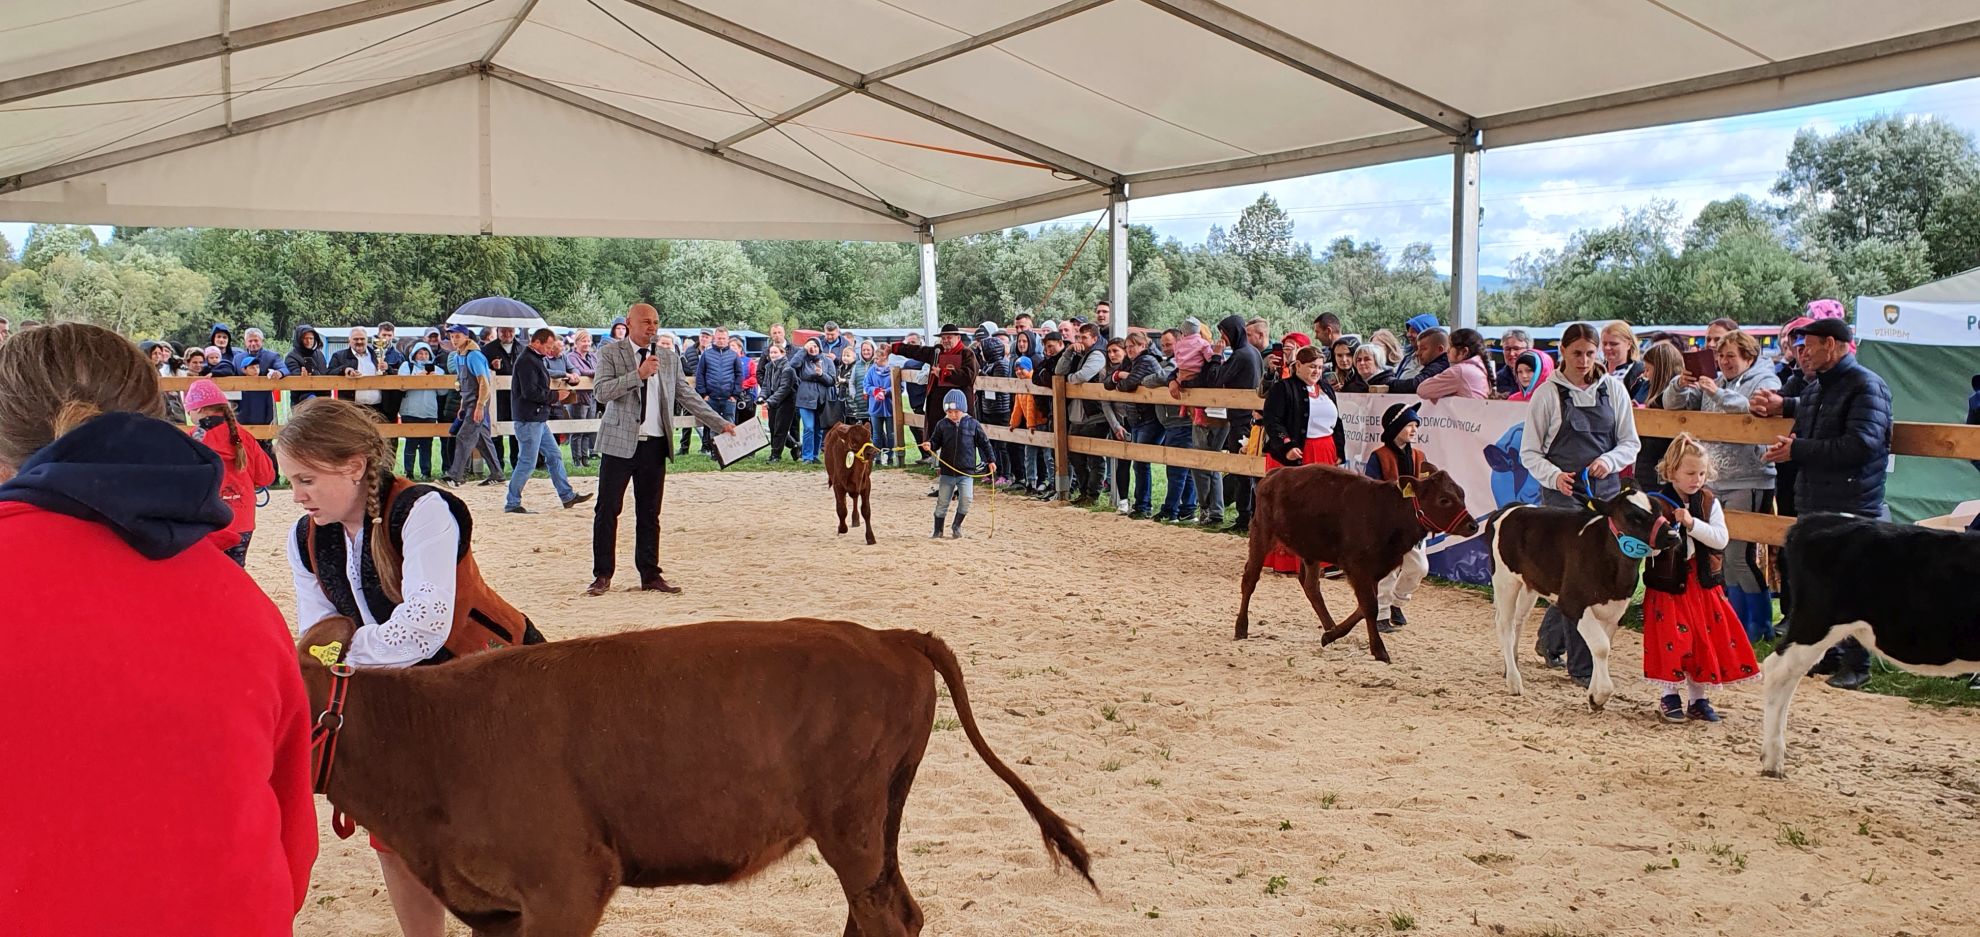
{"type": "Point", "coordinates": [784, 53]}
{"type": "Point", "coordinates": [1315, 62]}
{"type": "Point", "coordinates": [968, 214]}
{"type": "Point", "coordinates": [197, 138]}
{"type": "Point", "coordinates": [930, 315]}
{"type": "Point", "coordinates": [673, 134]}
{"type": "Point", "coordinates": [1117, 259]}
{"type": "Point", "coordinates": [227, 63]}
{"type": "Point", "coordinates": [1001, 33]}
{"type": "Point", "coordinates": [1466, 167]}
{"type": "Point", "coordinates": [510, 31]}
{"type": "Point", "coordinates": [194, 50]}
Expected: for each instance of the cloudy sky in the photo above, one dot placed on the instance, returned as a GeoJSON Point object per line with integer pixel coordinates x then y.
{"type": "Point", "coordinates": [1534, 195]}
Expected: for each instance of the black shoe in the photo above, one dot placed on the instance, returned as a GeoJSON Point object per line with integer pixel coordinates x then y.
{"type": "Point", "coordinates": [1385, 627]}
{"type": "Point", "coordinates": [1829, 664]}
{"type": "Point", "coordinates": [1850, 679]}
{"type": "Point", "coordinates": [576, 500]}
{"type": "Point", "coordinates": [493, 480]}
{"type": "Point", "coordinates": [937, 535]}
{"type": "Point", "coordinates": [452, 482]}
{"type": "Point", "coordinates": [1396, 615]}
{"type": "Point", "coordinates": [1239, 529]}
{"type": "Point", "coordinates": [1137, 515]}
{"type": "Point", "coordinates": [518, 509]}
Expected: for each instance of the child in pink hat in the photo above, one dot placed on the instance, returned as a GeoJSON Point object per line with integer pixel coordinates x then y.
{"type": "Point", "coordinates": [247, 467]}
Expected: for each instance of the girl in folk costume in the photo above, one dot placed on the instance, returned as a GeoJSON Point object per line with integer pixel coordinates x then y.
{"type": "Point", "coordinates": [1302, 427]}
{"type": "Point", "coordinates": [1692, 638]}
{"type": "Point", "coordinates": [394, 558]}
{"type": "Point", "coordinates": [247, 467]}
{"type": "Point", "coordinates": [1396, 457]}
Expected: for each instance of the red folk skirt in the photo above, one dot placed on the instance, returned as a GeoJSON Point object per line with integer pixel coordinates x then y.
{"type": "Point", "coordinates": [1317, 451]}
{"type": "Point", "coordinates": [1694, 634]}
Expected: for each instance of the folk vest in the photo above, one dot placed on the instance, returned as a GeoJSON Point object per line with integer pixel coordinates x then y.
{"type": "Point", "coordinates": [482, 619]}
{"type": "Point", "coordinates": [1386, 456]}
{"type": "Point", "coordinates": [1665, 571]}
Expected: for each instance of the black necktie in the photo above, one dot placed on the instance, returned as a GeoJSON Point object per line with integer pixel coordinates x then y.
{"type": "Point", "coordinates": [646, 407]}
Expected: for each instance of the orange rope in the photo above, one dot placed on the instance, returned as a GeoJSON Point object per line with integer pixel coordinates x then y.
{"type": "Point", "coordinates": [1069, 263]}
{"type": "Point", "coordinates": [1028, 164]}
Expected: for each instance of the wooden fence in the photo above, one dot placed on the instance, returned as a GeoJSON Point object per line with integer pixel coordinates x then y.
{"type": "Point", "coordinates": [1933, 440]}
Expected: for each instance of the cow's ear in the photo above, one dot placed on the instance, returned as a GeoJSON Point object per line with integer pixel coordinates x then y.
{"type": "Point", "coordinates": [326, 641]}
{"type": "Point", "coordinates": [1406, 486]}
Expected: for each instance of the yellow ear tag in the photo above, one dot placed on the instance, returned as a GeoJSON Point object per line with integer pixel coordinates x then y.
{"type": "Point", "coordinates": [327, 653]}
{"type": "Point", "coordinates": [1408, 490]}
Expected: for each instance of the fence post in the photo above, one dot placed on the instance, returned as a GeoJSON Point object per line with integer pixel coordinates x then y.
{"type": "Point", "coordinates": [1061, 438]}
{"type": "Point", "coordinates": [901, 435]}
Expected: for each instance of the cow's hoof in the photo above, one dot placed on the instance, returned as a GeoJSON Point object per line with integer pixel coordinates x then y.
{"type": "Point", "coordinates": [1243, 631]}
{"type": "Point", "coordinates": [1595, 704]}
{"type": "Point", "coordinates": [1384, 658]}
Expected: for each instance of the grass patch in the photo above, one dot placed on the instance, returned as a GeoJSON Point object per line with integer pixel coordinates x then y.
{"type": "Point", "coordinates": [1402, 920]}
{"type": "Point", "coordinates": [1794, 836]}
{"type": "Point", "coordinates": [1275, 884]}
{"type": "Point", "coordinates": [1111, 764]}
{"type": "Point", "coordinates": [1328, 800]}
{"type": "Point", "coordinates": [946, 724]}
{"type": "Point", "coordinates": [1489, 859]}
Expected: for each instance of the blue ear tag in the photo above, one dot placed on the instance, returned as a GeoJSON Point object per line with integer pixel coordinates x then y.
{"type": "Point", "coordinates": [1631, 547]}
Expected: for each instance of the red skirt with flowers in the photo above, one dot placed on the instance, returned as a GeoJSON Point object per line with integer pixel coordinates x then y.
{"type": "Point", "coordinates": [1694, 634]}
{"type": "Point", "coordinates": [1318, 451]}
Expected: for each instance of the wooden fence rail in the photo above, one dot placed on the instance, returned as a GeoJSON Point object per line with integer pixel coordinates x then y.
{"type": "Point", "coordinates": [1931, 440]}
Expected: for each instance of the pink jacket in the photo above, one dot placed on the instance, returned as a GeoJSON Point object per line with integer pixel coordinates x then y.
{"type": "Point", "coordinates": [1465, 379]}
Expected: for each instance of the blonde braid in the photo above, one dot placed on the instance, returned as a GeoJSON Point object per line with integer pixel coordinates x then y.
{"type": "Point", "coordinates": [377, 463]}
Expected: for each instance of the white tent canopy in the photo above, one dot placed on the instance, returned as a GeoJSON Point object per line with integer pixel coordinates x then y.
{"type": "Point", "coordinates": [854, 119]}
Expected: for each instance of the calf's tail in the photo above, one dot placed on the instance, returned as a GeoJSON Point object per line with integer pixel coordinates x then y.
{"type": "Point", "coordinates": [1060, 843]}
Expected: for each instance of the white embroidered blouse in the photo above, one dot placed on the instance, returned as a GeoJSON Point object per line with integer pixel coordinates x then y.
{"type": "Point", "coordinates": [421, 623]}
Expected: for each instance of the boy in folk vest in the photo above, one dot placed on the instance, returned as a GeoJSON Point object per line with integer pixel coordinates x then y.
{"type": "Point", "coordinates": [1395, 458]}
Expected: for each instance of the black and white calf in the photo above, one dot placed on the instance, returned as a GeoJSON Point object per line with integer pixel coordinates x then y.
{"type": "Point", "coordinates": [1574, 558]}
{"type": "Point", "coordinates": [1906, 593]}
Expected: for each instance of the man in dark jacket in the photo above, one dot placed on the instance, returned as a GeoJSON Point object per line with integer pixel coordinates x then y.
{"type": "Point", "coordinates": [502, 354]}
{"type": "Point", "coordinates": [1840, 446]}
{"type": "Point", "coordinates": [994, 409]}
{"type": "Point", "coordinates": [718, 378]}
{"type": "Point", "coordinates": [535, 402]}
{"type": "Point", "coordinates": [1140, 370]}
{"type": "Point", "coordinates": [1085, 363]}
{"type": "Point", "coordinates": [779, 383]}
{"type": "Point", "coordinates": [305, 359]}
{"type": "Point", "coordinates": [951, 367]}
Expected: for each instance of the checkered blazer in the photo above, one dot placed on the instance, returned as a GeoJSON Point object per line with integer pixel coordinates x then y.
{"type": "Point", "coordinates": [618, 387]}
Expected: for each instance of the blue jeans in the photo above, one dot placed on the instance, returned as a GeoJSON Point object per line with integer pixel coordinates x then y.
{"type": "Point", "coordinates": [723, 405]}
{"type": "Point", "coordinates": [1180, 502]}
{"type": "Point", "coordinates": [1148, 434]}
{"type": "Point", "coordinates": [531, 439]}
{"type": "Point", "coordinates": [958, 488]}
{"type": "Point", "coordinates": [809, 450]}
{"type": "Point", "coordinates": [883, 430]}
{"type": "Point", "coordinates": [419, 450]}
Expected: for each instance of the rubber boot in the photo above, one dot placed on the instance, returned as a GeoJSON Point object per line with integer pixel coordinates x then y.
{"type": "Point", "coordinates": [955, 530]}
{"type": "Point", "coordinates": [937, 535]}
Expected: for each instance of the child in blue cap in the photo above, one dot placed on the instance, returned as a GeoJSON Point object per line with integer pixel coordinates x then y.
{"type": "Point", "coordinates": [962, 453]}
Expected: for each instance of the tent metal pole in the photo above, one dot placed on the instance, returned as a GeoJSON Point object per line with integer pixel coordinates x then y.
{"type": "Point", "coordinates": [1117, 258]}
{"type": "Point", "coordinates": [929, 314]}
{"type": "Point", "coordinates": [227, 64]}
{"type": "Point", "coordinates": [1465, 170]}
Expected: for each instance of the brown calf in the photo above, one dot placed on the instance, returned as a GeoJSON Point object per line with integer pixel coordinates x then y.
{"type": "Point", "coordinates": [1325, 514]}
{"type": "Point", "coordinates": [1572, 557]}
{"type": "Point", "coordinates": [851, 477]}
{"type": "Point", "coordinates": [692, 755]}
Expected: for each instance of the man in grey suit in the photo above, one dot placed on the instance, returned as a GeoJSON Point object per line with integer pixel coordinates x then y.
{"type": "Point", "coordinates": [639, 381]}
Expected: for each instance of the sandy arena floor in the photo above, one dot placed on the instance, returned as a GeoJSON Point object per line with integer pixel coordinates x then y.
{"type": "Point", "coordinates": [1270, 787]}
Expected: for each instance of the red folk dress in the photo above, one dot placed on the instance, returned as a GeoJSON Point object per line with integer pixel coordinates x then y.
{"type": "Point", "coordinates": [1694, 634]}
{"type": "Point", "coordinates": [1318, 450]}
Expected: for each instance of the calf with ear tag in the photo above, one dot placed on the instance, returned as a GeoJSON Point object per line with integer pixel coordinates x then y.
{"type": "Point", "coordinates": [329, 654]}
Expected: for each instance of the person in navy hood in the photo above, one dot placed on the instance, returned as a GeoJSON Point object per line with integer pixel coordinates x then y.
{"type": "Point", "coordinates": [143, 478]}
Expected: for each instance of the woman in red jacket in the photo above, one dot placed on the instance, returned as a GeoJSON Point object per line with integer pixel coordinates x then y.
{"type": "Point", "coordinates": [248, 468]}
{"type": "Point", "coordinates": [156, 754]}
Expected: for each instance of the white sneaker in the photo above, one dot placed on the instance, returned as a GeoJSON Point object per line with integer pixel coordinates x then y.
{"type": "Point", "coordinates": [1122, 507]}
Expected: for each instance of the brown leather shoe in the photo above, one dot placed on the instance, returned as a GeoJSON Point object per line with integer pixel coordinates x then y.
{"type": "Point", "coordinates": [599, 586]}
{"type": "Point", "coordinates": [658, 584]}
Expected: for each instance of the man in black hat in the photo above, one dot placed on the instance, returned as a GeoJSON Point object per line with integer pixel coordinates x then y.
{"type": "Point", "coordinates": [950, 365]}
{"type": "Point", "coordinates": [1841, 444]}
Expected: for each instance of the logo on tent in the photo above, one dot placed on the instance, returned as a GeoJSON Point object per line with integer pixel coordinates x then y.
{"type": "Point", "coordinates": [1891, 313]}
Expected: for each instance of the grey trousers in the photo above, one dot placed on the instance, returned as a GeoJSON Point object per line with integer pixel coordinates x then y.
{"type": "Point", "coordinates": [473, 436]}
{"type": "Point", "coordinates": [1741, 571]}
